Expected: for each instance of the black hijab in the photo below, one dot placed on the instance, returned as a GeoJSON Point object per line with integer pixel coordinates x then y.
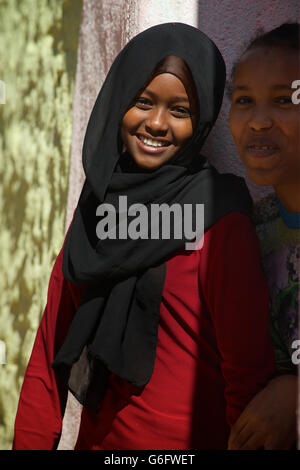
{"type": "Point", "coordinates": [115, 327]}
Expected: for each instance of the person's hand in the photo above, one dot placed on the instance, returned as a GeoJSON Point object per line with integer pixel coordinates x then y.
{"type": "Point", "coordinates": [269, 420]}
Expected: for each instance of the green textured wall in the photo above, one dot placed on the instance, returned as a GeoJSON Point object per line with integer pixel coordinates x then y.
{"type": "Point", "coordinates": [38, 44]}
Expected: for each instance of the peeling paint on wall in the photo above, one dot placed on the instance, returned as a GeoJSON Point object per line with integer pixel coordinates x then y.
{"type": "Point", "coordinates": [37, 64]}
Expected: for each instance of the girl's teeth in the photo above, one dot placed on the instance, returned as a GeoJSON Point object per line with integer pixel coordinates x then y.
{"type": "Point", "coordinates": [153, 143]}
{"type": "Point", "coordinates": [262, 147]}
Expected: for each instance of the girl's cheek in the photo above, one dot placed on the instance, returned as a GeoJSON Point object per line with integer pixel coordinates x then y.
{"type": "Point", "coordinates": [288, 122]}
{"type": "Point", "coordinates": [237, 121]}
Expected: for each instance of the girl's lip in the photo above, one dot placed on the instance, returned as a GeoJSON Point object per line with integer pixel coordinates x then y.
{"type": "Point", "coordinates": [149, 148]}
{"type": "Point", "coordinates": [261, 151]}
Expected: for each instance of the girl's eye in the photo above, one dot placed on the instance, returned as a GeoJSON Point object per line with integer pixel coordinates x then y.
{"type": "Point", "coordinates": [283, 100]}
{"type": "Point", "coordinates": [243, 100]}
{"type": "Point", "coordinates": [143, 103]}
{"type": "Point", "coordinates": [180, 111]}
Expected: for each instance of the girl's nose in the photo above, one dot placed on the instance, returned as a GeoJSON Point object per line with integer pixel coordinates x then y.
{"type": "Point", "coordinates": [260, 119]}
{"type": "Point", "coordinates": [157, 122]}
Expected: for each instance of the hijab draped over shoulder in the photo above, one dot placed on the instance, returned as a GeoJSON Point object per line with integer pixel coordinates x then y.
{"type": "Point", "coordinates": [116, 325]}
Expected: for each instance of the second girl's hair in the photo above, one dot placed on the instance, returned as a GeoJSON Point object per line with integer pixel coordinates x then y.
{"type": "Point", "coordinates": [287, 35]}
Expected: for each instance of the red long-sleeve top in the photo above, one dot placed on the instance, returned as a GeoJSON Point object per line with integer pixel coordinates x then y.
{"type": "Point", "coordinates": [214, 353]}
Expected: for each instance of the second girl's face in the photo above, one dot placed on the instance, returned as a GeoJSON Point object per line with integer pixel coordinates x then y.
{"type": "Point", "coordinates": [263, 119]}
{"type": "Point", "coordinates": [159, 123]}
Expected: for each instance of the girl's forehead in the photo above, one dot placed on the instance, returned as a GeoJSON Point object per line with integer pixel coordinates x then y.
{"type": "Point", "coordinates": [268, 64]}
{"type": "Point", "coordinates": [166, 81]}
{"type": "Point", "coordinates": [271, 54]}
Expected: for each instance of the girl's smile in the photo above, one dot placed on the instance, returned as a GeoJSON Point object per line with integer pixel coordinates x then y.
{"type": "Point", "coordinates": [159, 123]}
{"type": "Point", "coordinates": [152, 145]}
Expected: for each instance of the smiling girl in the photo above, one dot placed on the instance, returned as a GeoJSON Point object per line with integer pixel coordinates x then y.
{"type": "Point", "coordinates": [265, 124]}
{"type": "Point", "coordinates": [158, 137]}
{"type": "Point", "coordinates": [164, 346]}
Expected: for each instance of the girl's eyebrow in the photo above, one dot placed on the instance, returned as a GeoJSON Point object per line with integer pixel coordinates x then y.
{"type": "Point", "coordinates": [241, 87]}
{"type": "Point", "coordinates": [282, 86]}
{"type": "Point", "coordinates": [279, 86]}
{"type": "Point", "coordinates": [174, 98]}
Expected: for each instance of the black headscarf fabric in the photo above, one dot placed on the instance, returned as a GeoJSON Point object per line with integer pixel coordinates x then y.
{"type": "Point", "coordinates": [115, 327]}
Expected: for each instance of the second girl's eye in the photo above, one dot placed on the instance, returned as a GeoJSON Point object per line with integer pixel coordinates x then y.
{"type": "Point", "coordinates": [243, 100]}
{"type": "Point", "coordinates": [283, 100]}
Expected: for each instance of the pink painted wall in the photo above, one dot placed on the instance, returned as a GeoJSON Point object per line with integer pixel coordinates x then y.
{"type": "Point", "coordinates": [231, 24]}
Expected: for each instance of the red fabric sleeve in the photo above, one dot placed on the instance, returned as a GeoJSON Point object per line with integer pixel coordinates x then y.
{"type": "Point", "coordinates": [43, 395]}
{"type": "Point", "coordinates": [237, 297]}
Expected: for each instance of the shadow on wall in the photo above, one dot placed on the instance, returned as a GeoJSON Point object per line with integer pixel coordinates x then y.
{"type": "Point", "coordinates": [232, 25]}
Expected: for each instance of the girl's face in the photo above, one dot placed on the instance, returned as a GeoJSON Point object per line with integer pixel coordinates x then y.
{"type": "Point", "coordinates": [263, 120]}
{"type": "Point", "coordinates": [159, 123]}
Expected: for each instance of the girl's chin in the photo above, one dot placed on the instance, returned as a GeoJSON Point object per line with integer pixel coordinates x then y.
{"type": "Point", "coordinates": [262, 177]}
{"type": "Point", "coordinates": [151, 162]}
{"type": "Point", "coordinates": [145, 165]}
